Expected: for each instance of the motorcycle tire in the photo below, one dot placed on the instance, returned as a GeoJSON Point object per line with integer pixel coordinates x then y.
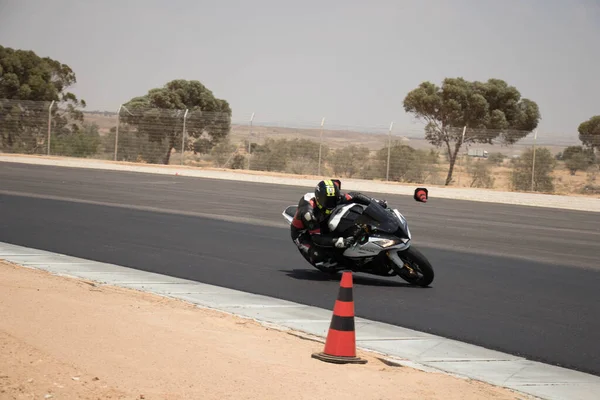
{"type": "Point", "coordinates": [416, 259]}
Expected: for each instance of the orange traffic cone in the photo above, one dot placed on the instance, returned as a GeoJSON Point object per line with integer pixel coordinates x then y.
{"type": "Point", "coordinates": [340, 345]}
{"type": "Point", "coordinates": [421, 194]}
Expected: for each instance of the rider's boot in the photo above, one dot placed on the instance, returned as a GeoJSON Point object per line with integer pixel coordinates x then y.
{"type": "Point", "coordinates": [323, 261]}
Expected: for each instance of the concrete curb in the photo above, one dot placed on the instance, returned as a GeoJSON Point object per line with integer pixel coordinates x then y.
{"type": "Point", "coordinates": [397, 345]}
{"type": "Point", "coordinates": [577, 203]}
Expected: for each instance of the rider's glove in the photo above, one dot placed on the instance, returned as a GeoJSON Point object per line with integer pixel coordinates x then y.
{"type": "Point", "coordinates": [343, 243]}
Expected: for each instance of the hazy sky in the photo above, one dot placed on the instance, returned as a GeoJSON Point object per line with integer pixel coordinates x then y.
{"type": "Point", "coordinates": [349, 61]}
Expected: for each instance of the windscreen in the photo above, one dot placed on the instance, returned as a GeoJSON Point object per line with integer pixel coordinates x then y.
{"type": "Point", "coordinates": [379, 218]}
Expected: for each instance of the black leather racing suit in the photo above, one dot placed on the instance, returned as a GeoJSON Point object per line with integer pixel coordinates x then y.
{"type": "Point", "coordinates": [310, 232]}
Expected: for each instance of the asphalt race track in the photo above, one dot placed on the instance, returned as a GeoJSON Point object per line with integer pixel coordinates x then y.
{"type": "Point", "coordinates": [522, 280]}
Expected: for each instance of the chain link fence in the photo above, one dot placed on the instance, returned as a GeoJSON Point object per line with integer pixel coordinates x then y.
{"type": "Point", "coordinates": [484, 158]}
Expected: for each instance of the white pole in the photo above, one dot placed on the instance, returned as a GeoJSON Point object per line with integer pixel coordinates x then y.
{"type": "Point", "coordinates": [183, 136]}
{"type": "Point", "coordinates": [321, 145]}
{"type": "Point", "coordinates": [49, 124]}
{"type": "Point", "coordinates": [250, 140]}
{"type": "Point", "coordinates": [387, 173]}
{"type": "Point", "coordinates": [462, 141]}
{"type": "Point", "coordinates": [129, 112]}
{"type": "Point", "coordinates": [117, 131]}
{"type": "Point", "coordinates": [533, 163]}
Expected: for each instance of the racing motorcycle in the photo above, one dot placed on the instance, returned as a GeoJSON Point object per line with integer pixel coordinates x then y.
{"type": "Point", "coordinates": [383, 241]}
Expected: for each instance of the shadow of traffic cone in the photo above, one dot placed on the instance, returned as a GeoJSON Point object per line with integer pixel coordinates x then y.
{"type": "Point", "coordinates": [340, 345]}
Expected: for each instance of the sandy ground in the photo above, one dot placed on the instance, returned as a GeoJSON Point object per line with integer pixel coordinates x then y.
{"type": "Point", "coordinates": [64, 338]}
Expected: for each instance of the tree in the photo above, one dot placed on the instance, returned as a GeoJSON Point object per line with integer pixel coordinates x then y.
{"type": "Point", "coordinates": [578, 158]}
{"type": "Point", "coordinates": [271, 156]}
{"type": "Point", "coordinates": [577, 162]}
{"type": "Point", "coordinates": [349, 161]}
{"type": "Point", "coordinates": [491, 105]}
{"type": "Point", "coordinates": [160, 115]}
{"type": "Point", "coordinates": [298, 156]}
{"type": "Point", "coordinates": [542, 178]}
{"type": "Point", "coordinates": [496, 158]}
{"type": "Point", "coordinates": [223, 152]}
{"type": "Point", "coordinates": [570, 151]}
{"type": "Point", "coordinates": [589, 132]}
{"type": "Point", "coordinates": [83, 143]}
{"type": "Point", "coordinates": [133, 147]}
{"type": "Point", "coordinates": [28, 84]}
{"type": "Point", "coordinates": [304, 156]}
{"type": "Point", "coordinates": [481, 174]}
{"type": "Point", "coordinates": [406, 163]}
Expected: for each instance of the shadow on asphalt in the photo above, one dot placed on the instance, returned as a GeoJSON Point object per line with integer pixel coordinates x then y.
{"type": "Point", "coordinates": [314, 275]}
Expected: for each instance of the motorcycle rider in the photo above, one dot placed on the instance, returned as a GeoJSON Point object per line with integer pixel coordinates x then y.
{"type": "Point", "coordinates": [309, 228]}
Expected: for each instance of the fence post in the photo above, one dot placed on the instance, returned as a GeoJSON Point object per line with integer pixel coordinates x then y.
{"type": "Point", "coordinates": [321, 145]}
{"type": "Point", "coordinates": [50, 124]}
{"type": "Point", "coordinates": [117, 131]}
{"type": "Point", "coordinates": [459, 160]}
{"type": "Point", "coordinates": [533, 163]}
{"type": "Point", "coordinates": [250, 140]}
{"type": "Point", "coordinates": [387, 173]}
{"type": "Point", "coordinates": [183, 136]}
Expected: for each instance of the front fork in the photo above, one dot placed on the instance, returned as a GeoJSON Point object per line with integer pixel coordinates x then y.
{"type": "Point", "coordinates": [401, 266]}
{"type": "Point", "coordinates": [393, 255]}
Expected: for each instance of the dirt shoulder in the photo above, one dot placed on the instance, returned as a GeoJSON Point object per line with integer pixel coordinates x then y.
{"type": "Point", "coordinates": [69, 339]}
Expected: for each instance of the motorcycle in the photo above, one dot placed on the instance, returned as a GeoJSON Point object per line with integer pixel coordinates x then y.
{"type": "Point", "coordinates": [383, 241]}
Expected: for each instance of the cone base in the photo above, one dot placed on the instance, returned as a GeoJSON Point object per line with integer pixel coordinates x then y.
{"type": "Point", "coordinates": [338, 359]}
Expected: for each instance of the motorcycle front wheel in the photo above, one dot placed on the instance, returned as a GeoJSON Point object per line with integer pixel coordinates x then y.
{"type": "Point", "coordinates": [417, 269]}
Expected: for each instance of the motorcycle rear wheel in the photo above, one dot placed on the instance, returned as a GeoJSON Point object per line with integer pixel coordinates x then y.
{"type": "Point", "coordinates": [418, 262]}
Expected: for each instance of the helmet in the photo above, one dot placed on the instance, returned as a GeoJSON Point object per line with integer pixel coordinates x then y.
{"type": "Point", "coordinates": [327, 195]}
